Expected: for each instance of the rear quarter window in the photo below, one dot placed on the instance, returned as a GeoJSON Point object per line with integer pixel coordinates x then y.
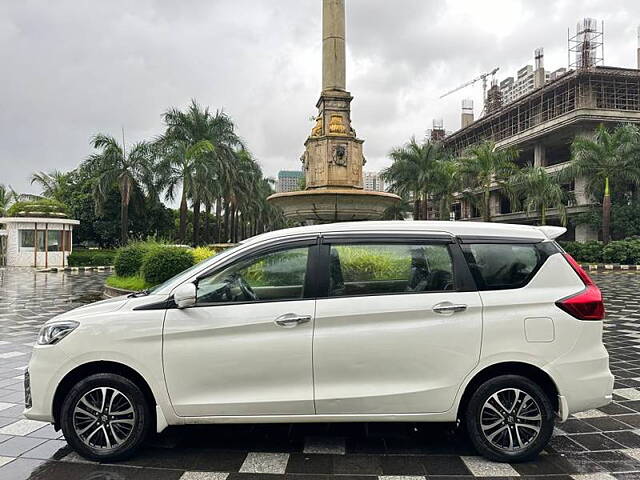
{"type": "Point", "coordinates": [505, 266]}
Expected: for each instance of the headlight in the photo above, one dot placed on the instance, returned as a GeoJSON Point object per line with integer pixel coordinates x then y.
{"type": "Point", "coordinates": [54, 332]}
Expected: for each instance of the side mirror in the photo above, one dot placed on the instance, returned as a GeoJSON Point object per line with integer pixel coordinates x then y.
{"type": "Point", "coordinates": [185, 295]}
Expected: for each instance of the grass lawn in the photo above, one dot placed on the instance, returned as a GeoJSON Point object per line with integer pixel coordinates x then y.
{"type": "Point", "coordinates": [127, 283]}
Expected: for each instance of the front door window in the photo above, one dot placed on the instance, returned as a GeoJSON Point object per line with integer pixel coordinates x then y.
{"type": "Point", "coordinates": [274, 276]}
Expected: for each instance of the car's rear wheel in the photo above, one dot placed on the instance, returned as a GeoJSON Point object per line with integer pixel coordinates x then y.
{"type": "Point", "coordinates": [105, 417]}
{"type": "Point", "coordinates": [509, 419]}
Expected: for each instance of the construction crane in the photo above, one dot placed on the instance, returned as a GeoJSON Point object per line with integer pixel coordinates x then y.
{"type": "Point", "coordinates": [482, 77]}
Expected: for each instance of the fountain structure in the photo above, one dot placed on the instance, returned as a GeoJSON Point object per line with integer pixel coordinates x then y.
{"type": "Point", "coordinates": [333, 157]}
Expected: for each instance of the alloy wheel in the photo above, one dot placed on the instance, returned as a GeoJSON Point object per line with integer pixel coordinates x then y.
{"type": "Point", "coordinates": [510, 419]}
{"type": "Point", "coordinates": [104, 418]}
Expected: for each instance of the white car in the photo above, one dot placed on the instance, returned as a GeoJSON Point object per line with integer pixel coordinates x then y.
{"type": "Point", "coordinates": [489, 325]}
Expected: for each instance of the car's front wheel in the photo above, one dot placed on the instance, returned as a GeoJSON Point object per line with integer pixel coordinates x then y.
{"type": "Point", "coordinates": [509, 419]}
{"type": "Point", "coordinates": [105, 417]}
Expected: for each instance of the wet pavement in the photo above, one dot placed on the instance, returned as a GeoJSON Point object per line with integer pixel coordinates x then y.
{"type": "Point", "coordinates": [600, 444]}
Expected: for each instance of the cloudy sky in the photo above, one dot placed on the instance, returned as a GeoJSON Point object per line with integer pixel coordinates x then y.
{"type": "Point", "coordinates": [71, 68]}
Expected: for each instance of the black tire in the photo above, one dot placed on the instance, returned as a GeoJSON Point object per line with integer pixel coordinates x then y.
{"type": "Point", "coordinates": [131, 428]}
{"type": "Point", "coordinates": [483, 421]}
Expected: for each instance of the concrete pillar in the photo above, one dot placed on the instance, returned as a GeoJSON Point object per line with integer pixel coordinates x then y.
{"type": "Point", "coordinates": [494, 203]}
{"type": "Point", "coordinates": [538, 74]}
{"type": "Point", "coordinates": [539, 155]}
{"type": "Point", "coordinates": [582, 198]}
{"type": "Point", "coordinates": [466, 117]}
{"type": "Point", "coordinates": [638, 48]}
{"type": "Point", "coordinates": [585, 233]}
{"type": "Point", "coordinates": [333, 45]}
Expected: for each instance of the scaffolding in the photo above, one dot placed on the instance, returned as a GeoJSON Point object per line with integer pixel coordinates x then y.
{"type": "Point", "coordinates": [587, 45]}
{"type": "Point", "coordinates": [598, 88]}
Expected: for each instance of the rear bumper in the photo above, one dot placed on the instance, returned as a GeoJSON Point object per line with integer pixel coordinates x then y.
{"type": "Point", "coordinates": [584, 381]}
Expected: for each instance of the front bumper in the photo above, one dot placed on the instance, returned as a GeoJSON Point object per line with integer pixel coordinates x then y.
{"type": "Point", "coordinates": [46, 369]}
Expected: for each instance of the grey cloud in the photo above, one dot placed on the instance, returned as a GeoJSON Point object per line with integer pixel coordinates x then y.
{"type": "Point", "coordinates": [74, 68]}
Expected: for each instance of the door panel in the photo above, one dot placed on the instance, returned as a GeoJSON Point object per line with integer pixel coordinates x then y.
{"type": "Point", "coordinates": [406, 351]}
{"type": "Point", "coordinates": [245, 347]}
{"type": "Point", "coordinates": [234, 360]}
{"type": "Point", "coordinates": [392, 353]}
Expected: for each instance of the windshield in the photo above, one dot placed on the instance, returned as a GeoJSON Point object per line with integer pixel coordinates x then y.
{"type": "Point", "coordinates": [187, 273]}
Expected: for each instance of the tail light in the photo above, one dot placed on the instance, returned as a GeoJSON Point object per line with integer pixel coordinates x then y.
{"type": "Point", "coordinates": [587, 304]}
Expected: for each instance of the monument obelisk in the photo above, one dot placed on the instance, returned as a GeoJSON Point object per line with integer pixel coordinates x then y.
{"type": "Point", "coordinates": [333, 158]}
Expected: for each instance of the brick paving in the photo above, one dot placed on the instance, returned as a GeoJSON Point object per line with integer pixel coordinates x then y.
{"type": "Point", "coordinates": [600, 444]}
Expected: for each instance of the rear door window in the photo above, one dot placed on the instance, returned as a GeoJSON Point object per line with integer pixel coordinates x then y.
{"type": "Point", "coordinates": [504, 266]}
{"type": "Point", "coordinates": [375, 269]}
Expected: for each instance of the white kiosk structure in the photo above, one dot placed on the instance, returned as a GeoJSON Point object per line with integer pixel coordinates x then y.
{"type": "Point", "coordinates": [35, 241]}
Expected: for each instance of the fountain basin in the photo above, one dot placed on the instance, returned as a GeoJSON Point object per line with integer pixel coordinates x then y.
{"type": "Point", "coordinates": [325, 205]}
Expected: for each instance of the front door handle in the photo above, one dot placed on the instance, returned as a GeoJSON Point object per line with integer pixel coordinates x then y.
{"type": "Point", "coordinates": [448, 308]}
{"type": "Point", "coordinates": [289, 320]}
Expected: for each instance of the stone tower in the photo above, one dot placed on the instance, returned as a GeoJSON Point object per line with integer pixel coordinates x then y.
{"type": "Point", "coordinates": [333, 155]}
{"type": "Point", "coordinates": [333, 159]}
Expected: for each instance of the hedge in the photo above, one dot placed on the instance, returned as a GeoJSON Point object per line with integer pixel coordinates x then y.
{"type": "Point", "coordinates": [625, 252]}
{"type": "Point", "coordinates": [160, 264]}
{"type": "Point", "coordinates": [44, 207]}
{"type": "Point", "coordinates": [129, 259]}
{"type": "Point", "coordinates": [151, 262]}
{"type": "Point", "coordinates": [202, 253]}
{"type": "Point", "coordinates": [91, 258]}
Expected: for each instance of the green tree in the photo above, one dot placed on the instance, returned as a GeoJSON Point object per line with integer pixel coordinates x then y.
{"type": "Point", "coordinates": [447, 182]}
{"type": "Point", "coordinates": [127, 170]}
{"type": "Point", "coordinates": [7, 197]}
{"type": "Point", "coordinates": [608, 160]}
{"type": "Point", "coordinates": [210, 174]}
{"type": "Point", "coordinates": [182, 161]}
{"type": "Point", "coordinates": [53, 184]}
{"type": "Point", "coordinates": [482, 167]}
{"type": "Point", "coordinates": [414, 173]}
{"type": "Point", "coordinates": [537, 190]}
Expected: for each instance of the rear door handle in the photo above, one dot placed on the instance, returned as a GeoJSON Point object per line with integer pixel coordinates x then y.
{"type": "Point", "coordinates": [290, 320]}
{"type": "Point", "coordinates": [448, 307]}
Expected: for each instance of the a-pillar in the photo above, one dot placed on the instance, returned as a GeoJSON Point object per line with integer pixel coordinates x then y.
{"type": "Point", "coordinates": [539, 155]}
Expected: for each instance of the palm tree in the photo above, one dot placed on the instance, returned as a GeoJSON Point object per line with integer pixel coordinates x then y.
{"type": "Point", "coordinates": [413, 173]}
{"type": "Point", "coordinates": [7, 197]}
{"type": "Point", "coordinates": [210, 174]}
{"type": "Point", "coordinates": [127, 170]}
{"type": "Point", "coordinates": [483, 166]}
{"type": "Point", "coordinates": [537, 190]}
{"type": "Point", "coordinates": [180, 162]}
{"type": "Point", "coordinates": [608, 160]}
{"type": "Point", "coordinates": [447, 184]}
{"type": "Point", "coordinates": [53, 184]}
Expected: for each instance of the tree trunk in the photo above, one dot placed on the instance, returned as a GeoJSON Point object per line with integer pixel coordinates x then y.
{"type": "Point", "coordinates": [425, 206]}
{"type": "Point", "coordinates": [232, 224]}
{"type": "Point", "coordinates": [225, 227]}
{"type": "Point", "coordinates": [218, 222]}
{"type": "Point", "coordinates": [416, 206]}
{"type": "Point", "coordinates": [124, 218]}
{"type": "Point", "coordinates": [487, 205]}
{"type": "Point", "coordinates": [543, 215]}
{"type": "Point", "coordinates": [606, 213]}
{"type": "Point", "coordinates": [196, 222]}
{"type": "Point", "coordinates": [183, 218]}
{"type": "Point", "coordinates": [207, 222]}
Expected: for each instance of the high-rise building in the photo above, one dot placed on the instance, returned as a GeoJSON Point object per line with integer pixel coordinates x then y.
{"type": "Point", "coordinates": [373, 181]}
{"type": "Point", "coordinates": [289, 180]}
{"type": "Point", "coordinates": [512, 89]}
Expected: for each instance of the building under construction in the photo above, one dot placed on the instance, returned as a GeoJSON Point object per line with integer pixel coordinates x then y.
{"type": "Point", "coordinates": [542, 123]}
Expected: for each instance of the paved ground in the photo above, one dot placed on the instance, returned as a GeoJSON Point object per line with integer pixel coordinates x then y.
{"type": "Point", "coordinates": [601, 444]}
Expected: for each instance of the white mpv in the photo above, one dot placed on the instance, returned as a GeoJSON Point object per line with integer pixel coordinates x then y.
{"type": "Point", "coordinates": [492, 326]}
